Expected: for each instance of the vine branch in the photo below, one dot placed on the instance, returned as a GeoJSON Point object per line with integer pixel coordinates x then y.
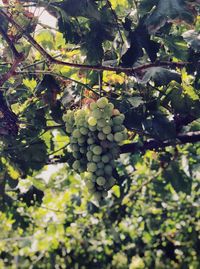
{"type": "Point", "coordinates": [52, 60]}
{"type": "Point", "coordinates": [190, 137]}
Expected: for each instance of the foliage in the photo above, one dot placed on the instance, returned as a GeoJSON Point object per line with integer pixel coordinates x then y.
{"type": "Point", "coordinates": [144, 57]}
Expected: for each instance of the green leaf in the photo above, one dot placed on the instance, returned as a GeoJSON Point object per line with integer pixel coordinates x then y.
{"type": "Point", "coordinates": [159, 126]}
{"type": "Point", "coordinates": [46, 38]}
{"type": "Point", "coordinates": [76, 8]}
{"type": "Point", "coordinates": [167, 11]}
{"type": "Point", "coordinates": [177, 178]}
{"type": "Point", "coordinates": [193, 39]}
{"type": "Point", "coordinates": [161, 76]}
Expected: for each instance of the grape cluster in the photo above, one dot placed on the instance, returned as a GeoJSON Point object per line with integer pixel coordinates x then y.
{"type": "Point", "coordinates": [95, 135]}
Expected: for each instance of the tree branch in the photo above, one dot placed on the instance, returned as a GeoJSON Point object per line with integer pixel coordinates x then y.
{"type": "Point", "coordinates": [190, 137]}
{"type": "Point", "coordinates": [51, 60]}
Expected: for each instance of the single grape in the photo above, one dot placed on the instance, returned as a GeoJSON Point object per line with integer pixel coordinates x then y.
{"type": "Point", "coordinates": [90, 141]}
{"type": "Point", "coordinates": [96, 113]}
{"type": "Point", "coordinates": [75, 147]}
{"type": "Point", "coordinates": [105, 159]}
{"type": "Point", "coordinates": [76, 155]}
{"type": "Point", "coordinates": [99, 172]}
{"type": "Point", "coordinates": [118, 128]}
{"type": "Point", "coordinates": [96, 158]}
{"type": "Point", "coordinates": [117, 120]}
{"type": "Point", "coordinates": [92, 121]}
{"type": "Point", "coordinates": [100, 164]}
{"type": "Point", "coordinates": [83, 150]}
{"type": "Point", "coordinates": [101, 123]}
{"type": "Point", "coordinates": [83, 131]}
{"type": "Point", "coordinates": [110, 137]}
{"type": "Point", "coordinates": [97, 150]}
{"type": "Point", "coordinates": [92, 128]}
{"type": "Point", "coordinates": [101, 136]}
{"type": "Point", "coordinates": [76, 165]}
{"type": "Point", "coordinates": [108, 169]}
{"type": "Point", "coordinates": [81, 140]}
{"type": "Point", "coordinates": [89, 156]}
{"type": "Point", "coordinates": [91, 167]}
{"type": "Point", "coordinates": [93, 106]}
{"type": "Point", "coordinates": [104, 194]}
{"type": "Point", "coordinates": [102, 102]}
{"type": "Point", "coordinates": [106, 129]}
{"type": "Point", "coordinates": [101, 181]}
{"type": "Point", "coordinates": [118, 137]}
{"type": "Point", "coordinates": [76, 133]}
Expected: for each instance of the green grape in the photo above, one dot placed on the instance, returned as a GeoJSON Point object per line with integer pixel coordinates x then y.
{"type": "Point", "coordinates": [117, 120]}
{"type": "Point", "coordinates": [96, 158]}
{"type": "Point", "coordinates": [76, 155]}
{"type": "Point", "coordinates": [73, 140]}
{"type": "Point", "coordinates": [92, 121]}
{"type": "Point", "coordinates": [93, 106]}
{"type": "Point", "coordinates": [76, 165]}
{"type": "Point", "coordinates": [75, 147]}
{"type": "Point", "coordinates": [83, 131]}
{"type": "Point", "coordinates": [81, 140]}
{"type": "Point", "coordinates": [105, 159]}
{"type": "Point", "coordinates": [110, 137]}
{"type": "Point", "coordinates": [91, 167]}
{"type": "Point", "coordinates": [89, 156]}
{"type": "Point", "coordinates": [118, 128]}
{"type": "Point", "coordinates": [100, 164]}
{"type": "Point", "coordinates": [69, 129]}
{"type": "Point", "coordinates": [101, 123]}
{"type": "Point", "coordinates": [90, 141]}
{"type": "Point", "coordinates": [108, 169]}
{"type": "Point", "coordinates": [96, 113]}
{"type": "Point", "coordinates": [115, 151]}
{"type": "Point", "coordinates": [92, 128]}
{"type": "Point", "coordinates": [83, 150]}
{"type": "Point", "coordinates": [95, 135]}
{"type": "Point", "coordinates": [118, 137]}
{"type": "Point", "coordinates": [104, 194]}
{"type": "Point", "coordinates": [111, 182]}
{"type": "Point", "coordinates": [76, 133]}
{"type": "Point", "coordinates": [101, 136]}
{"type": "Point", "coordinates": [102, 102]}
{"type": "Point", "coordinates": [97, 150]}
{"type": "Point", "coordinates": [101, 181]}
{"type": "Point", "coordinates": [106, 129]}
{"type": "Point", "coordinates": [99, 172]}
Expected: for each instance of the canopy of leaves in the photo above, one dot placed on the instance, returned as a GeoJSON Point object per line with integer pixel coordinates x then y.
{"type": "Point", "coordinates": [144, 56]}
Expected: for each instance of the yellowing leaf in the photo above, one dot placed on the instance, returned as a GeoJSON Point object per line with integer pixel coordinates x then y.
{"type": "Point", "coordinates": [122, 3]}
{"type": "Point", "coordinates": [112, 78]}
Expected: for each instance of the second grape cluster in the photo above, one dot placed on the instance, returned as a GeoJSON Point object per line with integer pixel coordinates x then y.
{"type": "Point", "coordinates": [96, 133]}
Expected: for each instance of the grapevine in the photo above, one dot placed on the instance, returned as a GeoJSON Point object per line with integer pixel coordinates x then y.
{"type": "Point", "coordinates": [96, 132]}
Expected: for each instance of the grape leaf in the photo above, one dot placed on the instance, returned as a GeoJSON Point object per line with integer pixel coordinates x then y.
{"type": "Point", "coordinates": [169, 10]}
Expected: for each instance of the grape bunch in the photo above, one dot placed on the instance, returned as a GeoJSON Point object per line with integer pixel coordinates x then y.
{"type": "Point", "coordinates": [96, 133]}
